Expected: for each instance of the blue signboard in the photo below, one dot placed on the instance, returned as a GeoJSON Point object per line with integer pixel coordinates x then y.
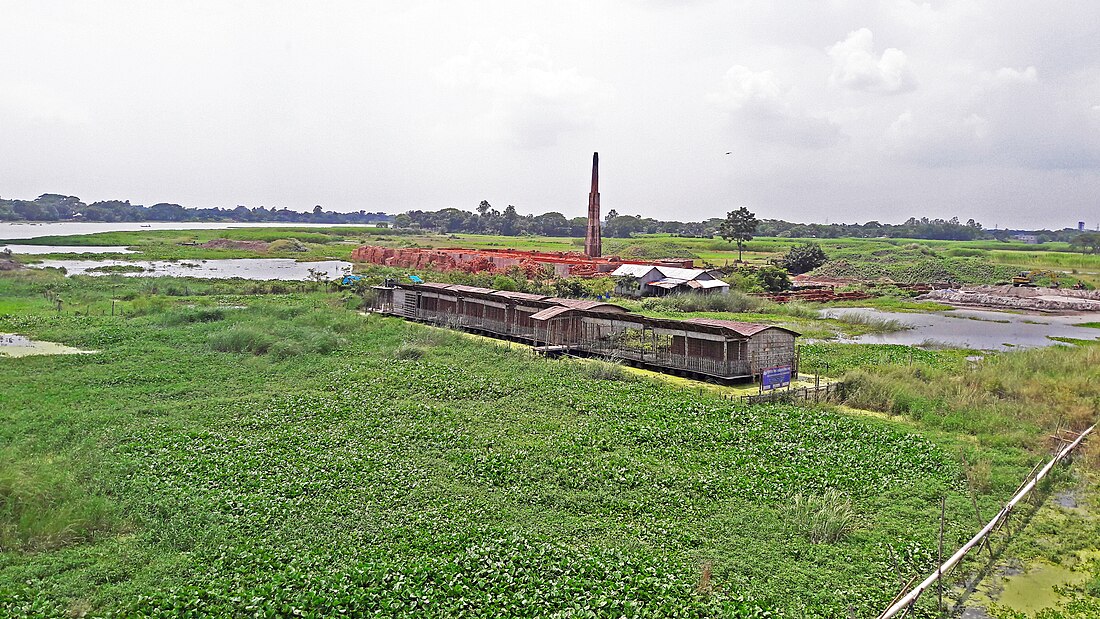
{"type": "Point", "coordinates": [775, 377]}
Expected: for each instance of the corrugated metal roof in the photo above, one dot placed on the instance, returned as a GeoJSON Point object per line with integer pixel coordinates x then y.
{"type": "Point", "coordinates": [668, 282]}
{"type": "Point", "coordinates": [519, 296]}
{"type": "Point", "coordinates": [685, 274]}
{"type": "Point", "coordinates": [633, 270]}
{"type": "Point", "coordinates": [474, 289]}
{"type": "Point", "coordinates": [741, 328]}
{"type": "Point", "coordinates": [708, 283]}
{"type": "Point", "coordinates": [640, 270]}
{"type": "Point", "coordinates": [550, 312]}
{"type": "Point", "coordinates": [581, 304]}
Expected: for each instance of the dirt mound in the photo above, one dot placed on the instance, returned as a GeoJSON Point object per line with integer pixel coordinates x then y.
{"type": "Point", "coordinates": [231, 244]}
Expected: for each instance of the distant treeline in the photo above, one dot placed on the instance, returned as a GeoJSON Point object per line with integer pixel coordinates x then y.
{"type": "Point", "coordinates": [488, 220]}
{"type": "Point", "coordinates": [54, 207]}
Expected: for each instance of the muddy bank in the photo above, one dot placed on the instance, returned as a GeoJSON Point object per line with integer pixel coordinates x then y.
{"type": "Point", "coordinates": [1019, 298]}
{"type": "Point", "coordinates": [14, 345]}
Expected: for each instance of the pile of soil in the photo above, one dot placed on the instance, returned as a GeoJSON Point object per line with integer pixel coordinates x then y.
{"type": "Point", "coordinates": [7, 263]}
{"type": "Point", "coordinates": [231, 244]}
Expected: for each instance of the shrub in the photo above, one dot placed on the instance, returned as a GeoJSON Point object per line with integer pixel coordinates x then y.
{"type": "Point", "coordinates": [735, 302]}
{"type": "Point", "coordinates": [282, 245]}
{"type": "Point", "coordinates": [503, 282]}
{"type": "Point", "coordinates": [773, 279]}
{"type": "Point", "coordinates": [804, 258]}
{"type": "Point", "coordinates": [149, 305]}
{"type": "Point", "coordinates": [193, 314]}
{"type": "Point", "coordinates": [605, 370]}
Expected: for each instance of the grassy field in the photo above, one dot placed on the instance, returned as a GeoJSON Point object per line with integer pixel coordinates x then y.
{"type": "Point", "coordinates": [229, 454]}
{"type": "Point", "coordinates": [903, 260]}
{"type": "Point", "coordinates": [250, 448]}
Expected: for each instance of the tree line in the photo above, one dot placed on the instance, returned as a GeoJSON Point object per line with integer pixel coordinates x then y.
{"type": "Point", "coordinates": [487, 220]}
{"type": "Point", "coordinates": [56, 207]}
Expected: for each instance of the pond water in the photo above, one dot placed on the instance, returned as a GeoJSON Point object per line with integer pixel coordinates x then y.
{"type": "Point", "coordinates": [285, 269]}
{"type": "Point", "coordinates": [10, 231]}
{"type": "Point", "coordinates": [976, 329]}
{"type": "Point", "coordinates": [12, 345]}
{"type": "Point", "coordinates": [66, 249]}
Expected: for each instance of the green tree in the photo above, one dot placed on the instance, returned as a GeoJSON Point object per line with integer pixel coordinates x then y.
{"type": "Point", "coordinates": [1089, 241]}
{"type": "Point", "coordinates": [509, 225]}
{"type": "Point", "coordinates": [773, 279]}
{"type": "Point", "coordinates": [804, 258]}
{"type": "Point", "coordinates": [739, 226]}
{"type": "Point", "coordinates": [622, 226]}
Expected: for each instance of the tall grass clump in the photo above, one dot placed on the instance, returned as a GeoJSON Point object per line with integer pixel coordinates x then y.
{"type": "Point", "coordinates": [408, 352]}
{"type": "Point", "coordinates": [42, 506]}
{"type": "Point", "coordinates": [192, 315]}
{"type": "Point", "coordinates": [240, 339]}
{"type": "Point", "coordinates": [799, 309]}
{"type": "Point", "coordinates": [1010, 398]}
{"type": "Point", "coordinates": [871, 324]}
{"type": "Point", "coordinates": [604, 370]}
{"type": "Point", "coordinates": [304, 341]}
{"type": "Point", "coordinates": [734, 302]}
{"type": "Point", "coordinates": [824, 518]}
{"type": "Point", "coordinates": [152, 304]}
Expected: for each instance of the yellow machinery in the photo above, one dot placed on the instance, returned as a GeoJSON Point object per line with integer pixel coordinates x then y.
{"type": "Point", "coordinates": [1027, 278]}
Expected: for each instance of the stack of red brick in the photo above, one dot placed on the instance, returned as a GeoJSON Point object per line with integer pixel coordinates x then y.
{"type": "Point", "coordinates": [816, 295]}
{"type": "Point", "coordinates": [497, 260]}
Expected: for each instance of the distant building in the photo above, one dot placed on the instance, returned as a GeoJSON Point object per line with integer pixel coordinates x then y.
{"type": "Point", "coordinates": [1030, 239]}
{"type": "Point", "coordinates": [652, 280]}
{"type": "Point", "coordinates": [1080, 226]}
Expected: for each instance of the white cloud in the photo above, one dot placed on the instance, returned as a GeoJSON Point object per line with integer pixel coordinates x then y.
{"type": "Point", "coordinates": [531, 101]}
{"type": "Point", "coordinates": [761, 109]}
{"type": "Point", "coordinates": [1008, 75]}
{"type": "Point", "coordinates": [856, 67]}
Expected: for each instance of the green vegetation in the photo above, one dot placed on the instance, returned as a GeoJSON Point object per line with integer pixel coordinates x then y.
{"type": "Point", "coordinates": [805, 257]}
{"type": "Point", "coordinates": [1007, 399]}
{"type": "Point", "coordinates": [825, 518]}
{"type": "Point", "coordinates": [903, 260]}
{"type": "Point", "coordinates": [117, 268]}
{"type": "Point", "coordinates": [256, 448]}
{"type": "Point", "coordinates": [802, 317]}
{"type": "Point", "coordinates": [191, 469]}
{"type": "Point", "coordinates": [738, 227]}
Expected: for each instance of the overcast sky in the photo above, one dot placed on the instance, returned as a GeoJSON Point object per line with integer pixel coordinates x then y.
{"type": "Point", "coordinates": [831, 110]}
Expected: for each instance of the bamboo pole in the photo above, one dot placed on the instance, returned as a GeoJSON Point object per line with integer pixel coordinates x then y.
{"type": "Point", "coordinates": [913, 594]}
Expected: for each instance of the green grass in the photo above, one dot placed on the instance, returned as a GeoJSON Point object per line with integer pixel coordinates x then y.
{"type": "Point", "coordinates": [1007, 398]}
{"type": "Point", "coordinates": [197, 472]}
{"type": "Point", "coordinates": [902, 260]}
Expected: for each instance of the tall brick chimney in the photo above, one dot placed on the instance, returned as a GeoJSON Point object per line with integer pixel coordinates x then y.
{"type": "Point", "coordinates": [593, 248]}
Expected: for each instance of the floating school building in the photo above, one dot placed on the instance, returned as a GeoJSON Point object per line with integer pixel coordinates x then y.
{"type": "Point", "coordinates": [721, 350]}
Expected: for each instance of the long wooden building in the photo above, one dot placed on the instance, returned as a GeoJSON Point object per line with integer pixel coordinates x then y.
{"type": "Point", "coordinates": [714, 349]}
